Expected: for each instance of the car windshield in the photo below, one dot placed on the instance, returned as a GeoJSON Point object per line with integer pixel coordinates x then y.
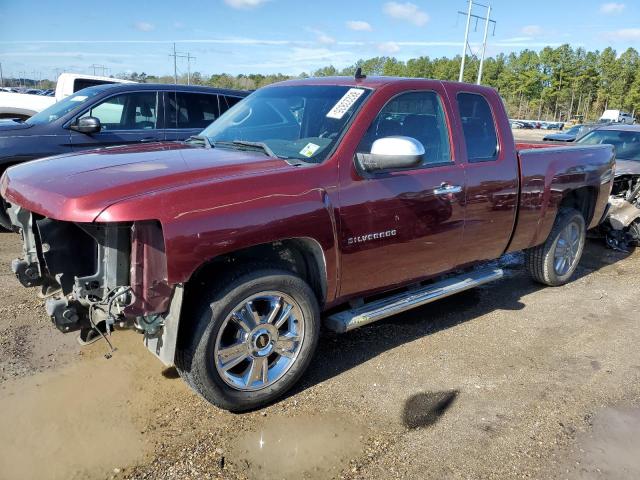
{"type": "Point", "coordinates": [574, 130]}
{"type": "Point", "coordinates": [627, 142]}
{"type": "Point", "coordinates": [291, 122]}
{"type": "Point", "coordinates": [63, 107]}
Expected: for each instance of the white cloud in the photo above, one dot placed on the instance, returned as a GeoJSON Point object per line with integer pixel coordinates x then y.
{"type": "Point", "coordinates": [388, 47]}
{"type": "Point", "coordinates": [406, 11]}
{"type": "Point", "coordinates": [359, 26]}
{"type": "Point", "coordinates": [624, 34]}
{"type": "Point", "coordinates": [143, 26]}
{"type": "Point", "coordinates": [244, 4]}
{"type": "Point", "coordinates": [612, 7]}
{"type": "Point", "coordinates": [532, 30]}
{"type": "Point", "coordinates": [322, 37]}
{"type": "Point", "coordinates": [178, 25]}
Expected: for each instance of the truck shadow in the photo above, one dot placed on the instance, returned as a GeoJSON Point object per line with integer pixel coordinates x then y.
{"type": "Point", "coordinates": [338, 353]}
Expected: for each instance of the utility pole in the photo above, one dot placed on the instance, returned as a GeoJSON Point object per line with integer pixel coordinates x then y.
{"type": "Point", "coordinates": [175, 67]}
{"type": "Point", "coordinates": [189, 58]}
{"type": "Point", "coordinates": [99, 67]}
{"type": "Point", "coordinates": [177, 55]}
{"type": "Point", "coordinates": [466, 46]}
{"type": "Point", "coordinates": [484, 43]}
{"type": "Point", "coordinates": [466, 38]}
{"type": "Point", "coordinates": [1, 77]}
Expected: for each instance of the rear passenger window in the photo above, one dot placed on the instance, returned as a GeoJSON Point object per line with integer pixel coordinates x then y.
{"type": "Point", "coordinates": [478, 127]}
{"type": "Point", "coordinates": [191, 110]}
{"type": "Point", "coordinates": [227, 102]}
{"type": "Point", "coordinates": [418, 115]}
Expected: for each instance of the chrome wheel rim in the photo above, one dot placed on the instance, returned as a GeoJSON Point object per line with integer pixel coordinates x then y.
{"type": "Point", "coordinates": [259, 341]}
{"type": "Point", "coordinates": [567, 249]}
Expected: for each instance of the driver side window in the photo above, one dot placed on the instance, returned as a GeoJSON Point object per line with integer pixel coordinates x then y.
{"type": "Point", "coordinates": [129, 111]}
{"type": "Point", "coordinates": [418, 115]}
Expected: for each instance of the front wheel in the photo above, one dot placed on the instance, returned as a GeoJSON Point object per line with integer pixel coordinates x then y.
{"type": "Point", "coordinates": [252, 340]}
{"type": "Point", "coordinates": [554, 262]}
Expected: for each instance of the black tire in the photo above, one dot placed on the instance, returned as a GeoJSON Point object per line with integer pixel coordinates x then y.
{"type": "Point", "coordinates": [540, 260]}
{"type": "Point", "coordinates": [195, 352]}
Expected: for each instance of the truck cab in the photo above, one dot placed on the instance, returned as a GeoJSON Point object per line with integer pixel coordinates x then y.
{"type": "Point", "coordinates": [334, 200]}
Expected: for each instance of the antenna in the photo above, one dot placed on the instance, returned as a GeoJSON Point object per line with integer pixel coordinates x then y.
{"type": "Point", "coordinates": [359, 75]}
{"type": "Point", "coordinates": [466, 46]}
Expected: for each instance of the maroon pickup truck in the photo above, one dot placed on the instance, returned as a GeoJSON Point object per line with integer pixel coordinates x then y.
{"type": "Point", "coordinates": [335, 200]}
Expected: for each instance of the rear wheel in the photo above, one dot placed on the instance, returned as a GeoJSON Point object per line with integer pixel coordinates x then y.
{"type": "Point", "coordinates": [554, 262]}
{"type": "Point", "coordinates": [252, 339]}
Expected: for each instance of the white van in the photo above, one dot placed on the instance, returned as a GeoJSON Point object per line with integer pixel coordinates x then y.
{"type": "Point", "coordinates": [24, 105]}
{"type": "Point", "coordinates": [616, 116]}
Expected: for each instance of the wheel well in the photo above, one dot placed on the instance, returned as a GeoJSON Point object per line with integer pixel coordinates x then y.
{"type": "Point", "coordinates": [582, 199]}
{"type": "Point", "coordinates": [303, 256]}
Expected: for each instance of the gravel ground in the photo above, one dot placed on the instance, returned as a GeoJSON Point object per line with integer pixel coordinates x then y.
{"type": "Point", "coordinates": [511, 380]}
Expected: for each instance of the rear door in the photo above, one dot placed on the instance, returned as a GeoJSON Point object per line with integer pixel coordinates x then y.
{"type": "Point", "coordinates": [125, 118]}
{"type": "Point", "coordinates": [188, 113]}
{"type": "Point", "coordinates": [492, 174]}
{"type": "Point", "coordinates": [400, 226]}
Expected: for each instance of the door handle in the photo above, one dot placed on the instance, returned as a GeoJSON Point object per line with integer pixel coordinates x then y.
{"type": "Point", "coordinates": [446, 188]}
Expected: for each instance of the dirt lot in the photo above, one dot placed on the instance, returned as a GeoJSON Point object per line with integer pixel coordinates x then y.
{"type": "Point", "coordinates": [508, 381]}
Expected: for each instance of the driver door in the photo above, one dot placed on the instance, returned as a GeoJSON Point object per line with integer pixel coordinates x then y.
{"type": "Point", "coordinates": [399, 226]}
{"type": "Point", "coordinates": [125, 118]}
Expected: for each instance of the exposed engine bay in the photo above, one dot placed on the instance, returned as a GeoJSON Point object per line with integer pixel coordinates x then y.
{"type": "Point", "coordinates": [622, 225]}
{"type": "Point", "coordinates": [96, 277]}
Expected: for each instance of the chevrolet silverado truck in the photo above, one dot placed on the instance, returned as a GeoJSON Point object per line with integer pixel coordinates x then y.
{"type": "Point", "coordinates": [336, 201]}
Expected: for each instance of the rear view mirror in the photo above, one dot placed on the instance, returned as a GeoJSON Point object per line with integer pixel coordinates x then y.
{"type": "Point", "coordinates": [86, 125]}
{"type": "Point", "coordinates": [392, 153]}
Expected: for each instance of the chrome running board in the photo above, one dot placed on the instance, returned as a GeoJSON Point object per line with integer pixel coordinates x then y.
{"type": "Point", "coordinates": [400, 302]}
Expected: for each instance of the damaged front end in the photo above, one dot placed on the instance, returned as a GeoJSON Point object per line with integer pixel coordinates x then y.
{"type": "Point", "coordinates": [622, 224]}
{"type": "Point", "coordinates": [97, 277]}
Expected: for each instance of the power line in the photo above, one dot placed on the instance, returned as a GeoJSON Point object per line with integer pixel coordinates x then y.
{"type": "Point", "coordinates": [104, 69]}
{"type": "Point", "coordinates": [465, 46]}
{"type": "Point", "coordinates": [177, 55]}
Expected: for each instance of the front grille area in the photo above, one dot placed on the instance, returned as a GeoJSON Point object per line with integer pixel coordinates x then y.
{"type": "Point", "coordinates": [66, 251]}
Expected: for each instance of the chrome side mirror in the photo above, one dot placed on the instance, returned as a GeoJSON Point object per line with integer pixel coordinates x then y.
{"type": "Point", "coordinates": [392, 153]}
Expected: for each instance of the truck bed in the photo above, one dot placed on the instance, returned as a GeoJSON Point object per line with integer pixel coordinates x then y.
{"type": "Point", "coordinates": [548, 174]}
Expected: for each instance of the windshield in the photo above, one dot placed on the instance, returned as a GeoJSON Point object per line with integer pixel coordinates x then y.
{"type": "Point", "coordinates": [292, 122]}
{"type": "Point", "coordinates": [627, 142]}
{"type": "Point", "coordinates": [574, 130]}
{"type": "Point", "coordinates": [63, 107]}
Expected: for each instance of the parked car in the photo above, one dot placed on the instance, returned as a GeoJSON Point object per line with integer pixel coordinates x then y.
{"type": "Point", "coordinates": [521, 124]}
{"type": "Point", "coordinates": [575, 132]}
{"type": "Point", "coordinates": [622, 226]}
{"type": "Point", "coordinates": [113, 114]}
{"type": "Point", "coordinates": [25, 103]}
{"type": "Point", "coordinates": [617, 116]}
{"type": "Point", "coordinates": [356, 197]}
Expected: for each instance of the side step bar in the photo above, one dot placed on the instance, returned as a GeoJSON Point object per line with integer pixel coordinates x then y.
{"type": "Point", "coordinates": [377, 310]}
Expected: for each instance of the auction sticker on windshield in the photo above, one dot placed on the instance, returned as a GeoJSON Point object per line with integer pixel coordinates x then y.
{"type": "Point", "coordinates": [78, 98]}
{"type": "Point", "coordinates": [309, 149]}
{"type": "Point", "coordinates": [345, 103]}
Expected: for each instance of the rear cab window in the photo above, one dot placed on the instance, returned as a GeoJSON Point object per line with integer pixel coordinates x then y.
{"type": "Point", "coordinates": [478, 127]}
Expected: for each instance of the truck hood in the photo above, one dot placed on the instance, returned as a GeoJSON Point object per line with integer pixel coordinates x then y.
{"type": "Point", "coordinates": [79, 186]}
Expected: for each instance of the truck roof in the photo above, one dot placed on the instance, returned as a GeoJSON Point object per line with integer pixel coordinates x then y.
{"type": "Point", "coordinates": [373, 82]}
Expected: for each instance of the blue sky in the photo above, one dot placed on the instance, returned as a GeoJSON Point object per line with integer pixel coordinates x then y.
{"type": "Point", "coordinates": [288, 36]}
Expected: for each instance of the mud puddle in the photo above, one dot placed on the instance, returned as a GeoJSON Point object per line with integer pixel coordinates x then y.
{"type": "Point", "coordinates": [79, 421]}
{"type": "Point", "coordinates": [611, 450]}
{"type": "Point", "coordinates": [310, 447]}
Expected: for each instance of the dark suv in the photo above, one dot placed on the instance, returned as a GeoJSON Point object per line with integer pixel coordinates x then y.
{"type": "Point", "coordinates": [115, 114]}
